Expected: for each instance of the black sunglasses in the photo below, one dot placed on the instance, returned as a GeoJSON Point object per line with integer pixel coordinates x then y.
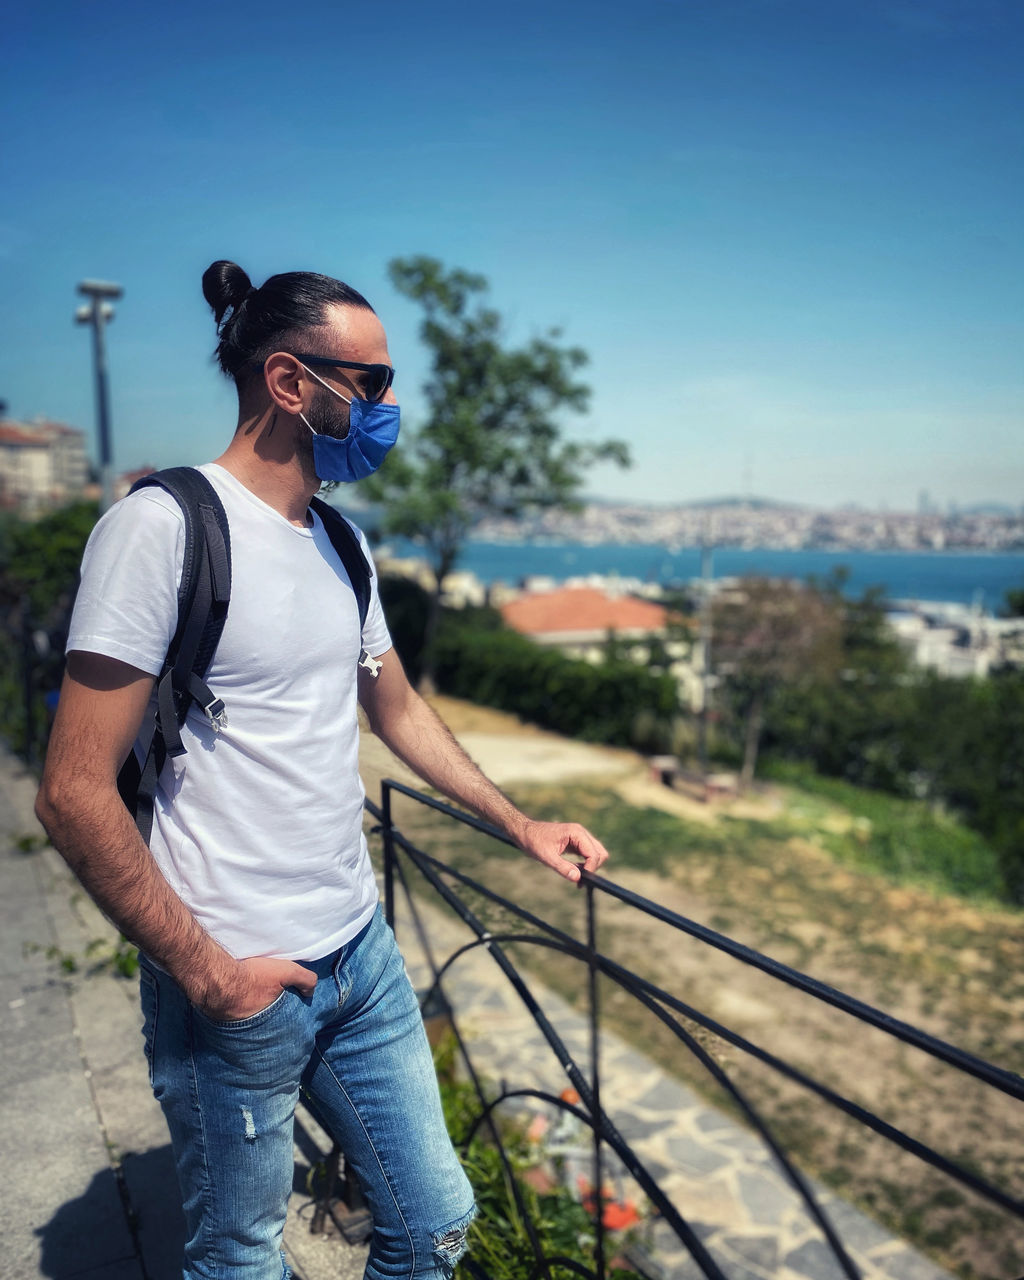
{"type": "Point", "coordinates": [378, 376]}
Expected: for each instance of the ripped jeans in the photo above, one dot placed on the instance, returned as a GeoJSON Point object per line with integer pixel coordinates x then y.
{"type": "Point", "coordinates": [229, 1090]}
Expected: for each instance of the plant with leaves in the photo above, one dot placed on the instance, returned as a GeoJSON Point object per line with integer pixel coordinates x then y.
{"type": "Point", "coordinates": [513, 1215]}
{"type": "Point", "coordinates": [854, 722]}
{"type": "Point", "coordinates": [39, 562]}
{"type": "Point", "coordinates": [490, 443]}
{"type": "Point", "coordinates": [770, 633]}
{"type": "Point", "coordinates": [1013, 603]}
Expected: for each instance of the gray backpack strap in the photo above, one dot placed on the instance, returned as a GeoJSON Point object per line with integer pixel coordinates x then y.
{"type": "Point", "coordinates": [203, 598]}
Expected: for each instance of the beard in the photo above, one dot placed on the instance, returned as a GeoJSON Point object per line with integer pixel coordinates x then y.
{"type": "Point", "coordinates": [328, 416]}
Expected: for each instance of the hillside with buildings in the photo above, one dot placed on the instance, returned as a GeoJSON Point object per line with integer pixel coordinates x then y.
{"type": "Point", "coordinates": [740, 522]}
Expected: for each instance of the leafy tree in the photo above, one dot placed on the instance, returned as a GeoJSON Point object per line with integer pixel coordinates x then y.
{"type": "Point", "coordinates": [767, 634]}
{"type": "Point", "coordinates": [1013, 603]}
{"type": "Point", "coordinates": [853, 722]}
{"type": "Point", "coordinates": [39, 559]}
{"type": "Point", "coordinates": [490, 443]}
{"type": "Point", "coordinates": [39, 562]}
{"type": "Point", "coordinates": [878, 722]}
{"type": "Point", "coordinates": [967, 741]}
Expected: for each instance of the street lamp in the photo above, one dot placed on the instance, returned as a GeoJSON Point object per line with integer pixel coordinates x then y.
{"type": "Point", "coordinates": [97, 312]}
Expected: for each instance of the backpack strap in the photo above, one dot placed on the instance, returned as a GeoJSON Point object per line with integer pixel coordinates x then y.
{"type": "Point", "coordinates": [346, 542]}
{"type": "Point", "coordinates": [203, 597]}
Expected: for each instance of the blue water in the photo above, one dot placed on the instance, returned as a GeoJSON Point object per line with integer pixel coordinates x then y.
{"type": "Point", "coordinates": [962, 577]}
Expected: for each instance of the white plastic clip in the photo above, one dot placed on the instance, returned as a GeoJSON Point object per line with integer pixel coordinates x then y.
{"type": "Point", "coordinates": [369, 664]}
{"type": "Point", "coordinates": [217, 715]}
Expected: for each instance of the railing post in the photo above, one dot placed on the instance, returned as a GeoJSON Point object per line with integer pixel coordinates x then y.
{"type": "Point", "coordinates": [389, 853]}
{"type": "Point", "coordinates": [595, 1082]}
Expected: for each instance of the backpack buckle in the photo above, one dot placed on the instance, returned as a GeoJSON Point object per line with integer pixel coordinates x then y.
{"type": "Point", "coordinates": [216, 713]}
{"type": "Point", "coordinates": [369, 664]}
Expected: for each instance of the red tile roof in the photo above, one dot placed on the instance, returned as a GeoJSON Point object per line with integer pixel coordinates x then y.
{"type": "Point", "coordinates": [15, 433]}
{"type": "Point", "coordinates": [40, 432]}
{"type": "Point", "coordinates": [571, 609]}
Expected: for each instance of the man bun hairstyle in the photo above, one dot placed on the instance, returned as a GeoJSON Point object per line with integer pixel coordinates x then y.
{"type": "Point", "coordinates": [254, 323]}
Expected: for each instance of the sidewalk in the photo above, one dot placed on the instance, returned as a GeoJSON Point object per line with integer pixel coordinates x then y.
{"type": "Point", "coordinates": [88, 1191]}
{"type": "Point", "coordinates": [87, 1184]}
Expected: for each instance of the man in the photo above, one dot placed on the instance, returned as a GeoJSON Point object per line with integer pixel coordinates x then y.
{"type": "Point", "coordinates": [265, 962]}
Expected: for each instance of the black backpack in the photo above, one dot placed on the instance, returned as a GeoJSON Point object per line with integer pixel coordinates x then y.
{"type": "Point", "coordinates": [203, 598]}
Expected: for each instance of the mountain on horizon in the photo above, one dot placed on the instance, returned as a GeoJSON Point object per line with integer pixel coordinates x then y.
{"type": "Point", "coordinates": [750, 504]}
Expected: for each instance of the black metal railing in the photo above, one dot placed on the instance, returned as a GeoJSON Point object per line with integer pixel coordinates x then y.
{"type": "Point", "coordinates": [451, 886]}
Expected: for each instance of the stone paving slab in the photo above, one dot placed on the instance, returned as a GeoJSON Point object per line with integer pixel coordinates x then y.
{"type": "Point", "coordinates": [720, 1177]}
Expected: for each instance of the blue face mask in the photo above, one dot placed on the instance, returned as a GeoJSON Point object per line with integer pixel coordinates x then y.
{"type": "Point", "coordinates": [372, 431]}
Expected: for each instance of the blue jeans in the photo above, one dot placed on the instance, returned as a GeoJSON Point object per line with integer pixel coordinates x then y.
{"type": "Point", "coordinates": [228, 1092]}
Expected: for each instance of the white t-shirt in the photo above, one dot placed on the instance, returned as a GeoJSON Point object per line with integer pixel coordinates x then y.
{"type": "Point", "coordinates": [258, 828]}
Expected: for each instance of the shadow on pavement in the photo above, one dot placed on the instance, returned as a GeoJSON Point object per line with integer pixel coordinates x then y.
{"type": "Point", "coordinates": [90, 1235]}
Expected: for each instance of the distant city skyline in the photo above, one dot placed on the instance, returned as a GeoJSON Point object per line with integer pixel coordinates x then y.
{"type": "Point", "coordinates": [786, 233]}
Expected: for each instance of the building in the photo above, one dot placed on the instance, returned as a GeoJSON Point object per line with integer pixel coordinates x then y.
{"type": "Point", "coordinates": [580, 620]}
{"type": "Point", "coordinates": [127, 478]}
{"type": "Point", "coordinates": [42, 465]}
{"type": "Point", "coordinates": [956, 640]}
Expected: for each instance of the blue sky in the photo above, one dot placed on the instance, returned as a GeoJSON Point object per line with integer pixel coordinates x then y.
{"type": "Point", "coordinates": [786, 231]}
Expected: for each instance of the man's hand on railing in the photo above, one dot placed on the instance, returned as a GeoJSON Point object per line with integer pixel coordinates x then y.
{"type": "Point", "coordinates": [557, 843]}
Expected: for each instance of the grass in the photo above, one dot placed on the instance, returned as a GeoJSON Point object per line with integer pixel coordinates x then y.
{"type": "Point", "coordinates": [908, 841]}
{"type": "Point", "coordinates": [855, 888]}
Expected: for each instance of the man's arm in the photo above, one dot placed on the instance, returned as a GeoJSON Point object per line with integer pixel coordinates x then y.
{"type": "Point", "coordinates": [416, 734]}
{"type": "Point", "coordinates": [101, 706]}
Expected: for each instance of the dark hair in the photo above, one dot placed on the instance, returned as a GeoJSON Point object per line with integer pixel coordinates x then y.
{"type": "Point", "coordinates": [253, 323]}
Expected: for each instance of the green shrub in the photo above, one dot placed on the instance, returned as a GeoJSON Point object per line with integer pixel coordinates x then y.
{"type": "Point", "coordinates": [617, 703]}
{"type": "Point", "coordinates": [39, 563]}
{"type": "Point", "coordinates": [498, 1240]}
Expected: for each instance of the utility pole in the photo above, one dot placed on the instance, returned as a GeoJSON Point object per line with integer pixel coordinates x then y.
{"type": "Point", "coordinates": [98, 311]}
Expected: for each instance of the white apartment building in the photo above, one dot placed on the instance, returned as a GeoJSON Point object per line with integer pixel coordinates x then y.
{"type": "Point", "coordinates": [42, 465]}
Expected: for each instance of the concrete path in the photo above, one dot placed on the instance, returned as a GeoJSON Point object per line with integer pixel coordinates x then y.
{"type": "Point", "coordinates": [87, 1187]}
{"type": "Point", "coordinates": [87, 1184]}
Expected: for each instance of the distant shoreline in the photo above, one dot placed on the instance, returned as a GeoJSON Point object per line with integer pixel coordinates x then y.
{"type": "Point", "coordinates": [966, 576]}
{"type": "Point", "coordinates": [542, 540]}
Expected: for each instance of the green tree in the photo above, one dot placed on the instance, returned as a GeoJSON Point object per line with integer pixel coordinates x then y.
{"type": "Point", "coordinates": [490, 443]}
{"type": "Point", "coordinates": [769, 634]}
{"type": "Point", "coordinates": [39, 562]}
{"type": "Point", "coordinates": [39, 559]}
{"type": "Point", "coordinates": [854, 721]}
{"type": "Point", "coordinates": [1013, 603]}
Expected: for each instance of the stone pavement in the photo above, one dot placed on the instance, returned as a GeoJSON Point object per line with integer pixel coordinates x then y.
{"type": "Point", "coordinates": [87, 1187]}
{"type": "Point", "coordinates": [87, 1184]}
{"type": "Point", "coordinates": [719, 1175]}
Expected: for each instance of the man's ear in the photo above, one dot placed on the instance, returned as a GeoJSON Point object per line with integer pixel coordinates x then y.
{"type": "Point", "coordinates": [284, 376]}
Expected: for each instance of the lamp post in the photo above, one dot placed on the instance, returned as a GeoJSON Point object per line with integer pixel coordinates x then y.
{"type": "Point", "coordinates": [97, 312]}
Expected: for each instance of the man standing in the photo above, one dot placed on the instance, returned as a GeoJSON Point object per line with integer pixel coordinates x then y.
{"type": "Point", "coordinates": [265, 961]}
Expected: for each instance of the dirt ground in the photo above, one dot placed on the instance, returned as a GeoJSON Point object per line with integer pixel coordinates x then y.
{"type": "Point", "coordinates": [952, 968]}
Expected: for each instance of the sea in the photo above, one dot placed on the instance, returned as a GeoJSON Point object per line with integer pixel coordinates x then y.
{"type": "Point", "coordinates": [977, 579]}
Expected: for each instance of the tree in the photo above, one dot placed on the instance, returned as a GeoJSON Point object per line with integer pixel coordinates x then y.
{"type": "Point", "coordinates": [38, 575]}
{"type": "Point", "coordinates": [767, 634]}
{"type": "Point", "coordinates": [1013, 603]}
{"type": "Point", "coordinates": [853, 722]}
{"type": "Point", "coordinates": [490, 443]}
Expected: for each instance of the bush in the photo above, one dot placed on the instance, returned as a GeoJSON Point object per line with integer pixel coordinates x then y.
{"type": "Point", "coordinates": [498, 1239]}
{"type": "Point", "coordinates": [39, 563]}
{"type": "Point", "coordinates": [616, 703]}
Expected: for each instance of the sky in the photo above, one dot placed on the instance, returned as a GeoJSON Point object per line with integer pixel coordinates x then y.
{"type": "Point", "coordinates": [786, 232]}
